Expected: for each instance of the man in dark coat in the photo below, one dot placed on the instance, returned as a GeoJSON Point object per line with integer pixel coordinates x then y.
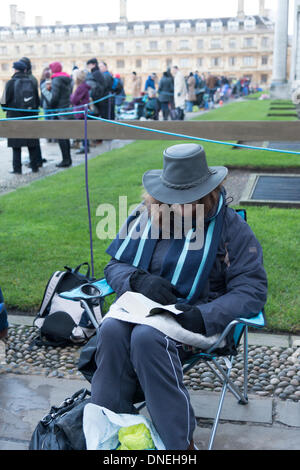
{"type": "Point", "coordinates": [27, 61]}
{"type": "Point", "coordinates": [9, 101]}
{"type": "Point", "coordinates": [109, 104]}
{"type": "Point", "coordinates": [166, 93]}
{"type": "Point", "coordinates": [95, 80]}
{"type": "Point", "coordinates": [211, 285]}
{"type": "Point", "coordinates": [61, 90]}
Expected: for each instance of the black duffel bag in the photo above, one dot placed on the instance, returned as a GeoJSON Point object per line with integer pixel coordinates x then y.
{"type": "Point", "coordinates": [61, 428]}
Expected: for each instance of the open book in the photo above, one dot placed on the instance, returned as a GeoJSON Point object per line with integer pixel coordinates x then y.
{"type": "Point", "coordinates": [135, 308]}
{"type": "Point", "coordinates": [133, 302]}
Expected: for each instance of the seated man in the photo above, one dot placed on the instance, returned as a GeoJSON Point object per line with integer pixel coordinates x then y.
{"type": "Point", "coordinates": [212, 287]}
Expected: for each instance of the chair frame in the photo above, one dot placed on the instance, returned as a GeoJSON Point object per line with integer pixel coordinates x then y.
{"type": "Point", "coordinates": [240, 326]}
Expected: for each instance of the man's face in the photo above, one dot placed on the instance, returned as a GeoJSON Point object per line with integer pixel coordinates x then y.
{"type": "Point", "coordinates": [102, 67]}
{"type": "Point", "coordinates": [90, 66]}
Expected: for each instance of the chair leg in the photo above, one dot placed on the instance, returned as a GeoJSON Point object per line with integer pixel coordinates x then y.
{"type": "Point", "coordinates": [216, 421]}
{"type": "Point", "coordinates": [246, 364]}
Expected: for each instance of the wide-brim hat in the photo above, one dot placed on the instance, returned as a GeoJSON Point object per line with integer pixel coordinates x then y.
{"type": "Point", "coordinates": [185, 177]}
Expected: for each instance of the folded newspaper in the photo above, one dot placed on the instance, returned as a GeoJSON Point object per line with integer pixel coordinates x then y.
{"type": "Point", "coordinates": [135, 308]}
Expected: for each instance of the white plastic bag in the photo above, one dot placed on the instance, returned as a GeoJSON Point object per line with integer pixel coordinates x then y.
{"type": "Point", "coordinates": [101, 427]}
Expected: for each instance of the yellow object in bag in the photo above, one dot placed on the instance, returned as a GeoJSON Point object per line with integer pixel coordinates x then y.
{"type": "Point", "coordinates": [136, 437]}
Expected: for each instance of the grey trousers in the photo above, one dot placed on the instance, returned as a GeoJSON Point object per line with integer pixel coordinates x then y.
{"type": "Point", "coordinates": [128, 355]}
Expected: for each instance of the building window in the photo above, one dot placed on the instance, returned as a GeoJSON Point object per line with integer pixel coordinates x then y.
{"type": "Point", "coordinates": [248, 42]}
{"type": "Point", "coordinates": [120, 64]}
{"type": "Point", "coordinates": [31, 33]}
{"type": "Point", "coordinates": [215, 61]}
{"type": "Point", "coordinates": [17, 49]}
{"type": "Point", "coordinates": [216, 44]}
{"type": "Point", "coordinates": [217, 26]}
{"type": "Point", "coordinates": [74, 31]}
{"type": "Point", "coordinates": [264, 78]}
{"type": "Point", "coordinates": [233, 25]}
{"type": "Point", "coordinates": [201, 26]}
{"type": "Point", "coordinates": [200, 44]}
{"type": "Point", "coordinates": [121, 30]}
{"type": "Point", "coordinates": [120, 47]}
{"type": "Point", "coordinates": [185, 27]}
{"type": "Point", "coordinates": [60, 31]}
{"type": "Point", "coordinates": [73, 48]}
{"type": "Point", "coordinates": [264, 60]}
{"type": "Point", "coordinates": [138, 63]}
{"type": "Point", "coordinates": [87, 30]}
{"type": "Point", "coordinates": [58, 49]}
{"type": "Point", "coordinates": [169, 63]}
{"type": "Point", "coordinates": [170, 28]}
{"type": "Point", "coordinates": [248, 61]}
{"type": "Point", "coordinates": [153, 64]}
{"type": "Point", "coordinates": [138, 46]}
{"type": "Point", "coordinates": [265, 42]}
{"type": "Point", "coordinates": [184, 62]}
{"type": "Point", "coordinates": [87, 47]}
{"type": "Point", "coordinates": [200, 62]}
{"type": "Point", "coordinates": [30, 49]}
{"type": "Point", "coordinates": [232, 61]}
{"type": "Point", "coordinates": [103, 30]}
{"type": "Point", "coordinates": [101, 47]}
{"type": "Point", "coordinates": [154, 28]}
{"type": "Point", "coordinates": [184, 44]}
{"type": "Point", "coordinates": [3, 50]}
{"type": "Point", "coordinates": [232, 43]}
{"type": "Point", "coordinates": [44, 49]}
{"type": "Point", "coordinates": [139, 29]}
{"type": "Point", "coordinates": [169, 45]}
{"type": "Point", "coordinates": [4, 67]}
{"type": "Point", "coordinates": [153, 45]}
{"type": "Point", "coordinates": [249, 23]}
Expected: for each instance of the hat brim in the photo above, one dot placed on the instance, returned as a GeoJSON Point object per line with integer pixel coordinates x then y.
{"type": "Point", "coordinates": [154, 185]}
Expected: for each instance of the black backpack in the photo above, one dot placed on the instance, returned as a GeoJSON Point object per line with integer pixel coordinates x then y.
{"type": "Point", "coordinates": [24, 94]}
{"type": "Point", "coordinates": [97, 90]}
{"type": "Point", "coordinates": [61, 321]}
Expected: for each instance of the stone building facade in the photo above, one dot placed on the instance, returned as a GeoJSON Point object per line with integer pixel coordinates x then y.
{"type": "Point", "coordinates": [234, 47]}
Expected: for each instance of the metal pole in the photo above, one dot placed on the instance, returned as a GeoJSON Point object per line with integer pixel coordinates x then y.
{"type": "Point", "coordinates": [87, 185]}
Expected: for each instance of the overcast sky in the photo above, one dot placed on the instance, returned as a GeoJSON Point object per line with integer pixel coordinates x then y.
{"type": "Point", "coordinates": [96, 11]}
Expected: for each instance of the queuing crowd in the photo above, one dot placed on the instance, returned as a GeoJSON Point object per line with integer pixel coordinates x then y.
{"type": "Point", "coordinates": [103, 92]}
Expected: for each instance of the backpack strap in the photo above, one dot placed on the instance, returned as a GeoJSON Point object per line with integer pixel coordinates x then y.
{"type": "Point", "coordinates": [50, 291]}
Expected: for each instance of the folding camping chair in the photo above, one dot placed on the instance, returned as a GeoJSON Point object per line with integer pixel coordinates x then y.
{"type": "Point", "coordinates": [93, 292]}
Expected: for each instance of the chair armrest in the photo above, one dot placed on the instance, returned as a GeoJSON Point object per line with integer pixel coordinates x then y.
{"type": "Point", "coordinates": [256, 322]}
{"type": "Point", "coordinates": [77, 294]}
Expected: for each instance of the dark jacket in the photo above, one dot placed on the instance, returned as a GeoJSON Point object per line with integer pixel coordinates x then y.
{"type": "Point", "coordinates": [237, 285]}
{"type": "Point", "coordinates": [61, 90]}
{"type": "Point", "coordinates": [97, 75]}
{"type": "Point", "coordinates": [166, 89]}
{"type": "Point", "coordinates": [80, 97]}
{"type": "Point", "coordinates": [8, 102]}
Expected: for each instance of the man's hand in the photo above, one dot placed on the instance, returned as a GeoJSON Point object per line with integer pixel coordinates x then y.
{"type": "Point", "coordinates": [190, 318]}
{"type": "Point", "coordinates": [154, 287]}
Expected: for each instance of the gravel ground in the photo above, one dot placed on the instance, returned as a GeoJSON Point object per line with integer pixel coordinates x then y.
{"type": "Point", "coordinates": [273, 371]}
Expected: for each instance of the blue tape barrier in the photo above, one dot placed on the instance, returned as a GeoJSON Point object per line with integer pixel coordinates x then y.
{"type": "Point", "coordinates": [58, 109]}
{"type": "Point", "coordinates": [183, 136]}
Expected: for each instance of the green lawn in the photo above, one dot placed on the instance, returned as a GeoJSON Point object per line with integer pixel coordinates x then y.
{"type": "Point", "coordinates": [246, 111]}
{"type": "Point", "coordinates": [44, 226]}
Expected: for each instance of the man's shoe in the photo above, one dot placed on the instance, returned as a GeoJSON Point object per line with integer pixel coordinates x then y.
{"type": "Point", "coordinates": [82, 151]}
{"type": "Point", "coordinates": [64, 164]}
{"type": "Point", "coordinates": [14, 172]}
{"type": "Point", "coordinates": [35, 170]}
